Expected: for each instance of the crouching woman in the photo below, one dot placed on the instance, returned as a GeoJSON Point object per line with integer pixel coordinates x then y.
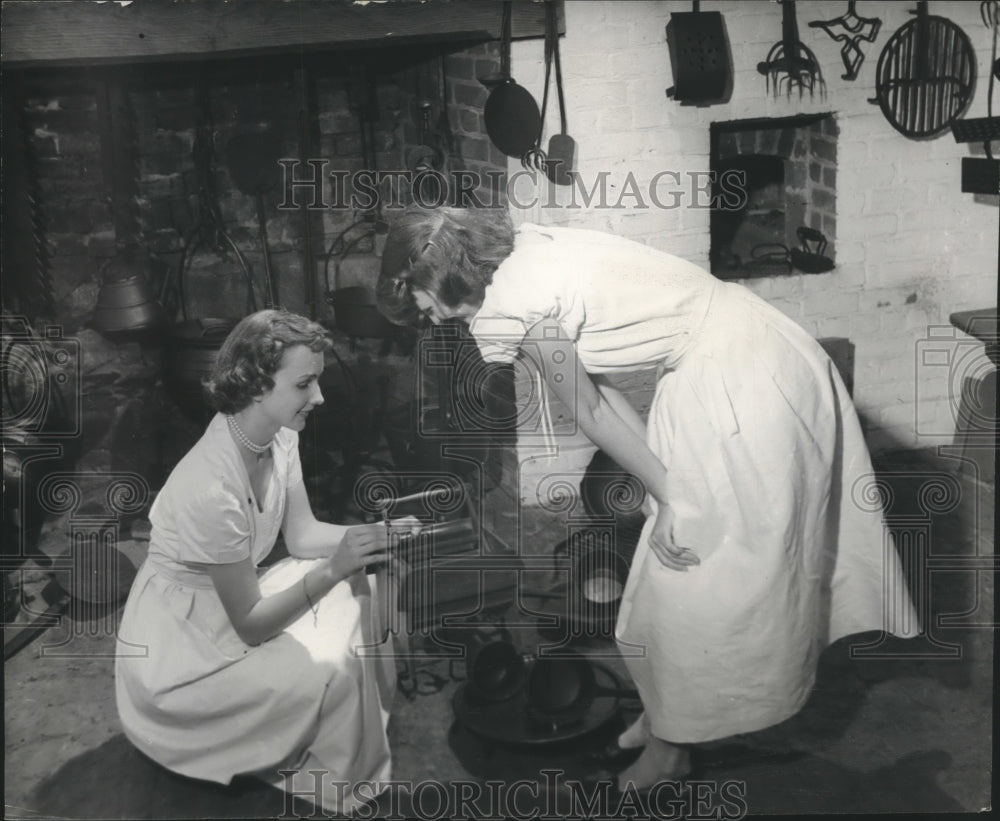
{"type": "Point", "coordinates": [225, 669]}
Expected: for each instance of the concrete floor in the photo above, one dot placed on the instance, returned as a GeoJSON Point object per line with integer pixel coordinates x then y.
{"type": "Point", "coordinates": [899, 734]}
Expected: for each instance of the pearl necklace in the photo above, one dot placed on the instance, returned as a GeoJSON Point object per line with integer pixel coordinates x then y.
{"type": "Point", "coordinates": [253, 447]}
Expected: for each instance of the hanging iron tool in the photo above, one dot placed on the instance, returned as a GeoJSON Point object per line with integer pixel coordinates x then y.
{"type": "Point", "coordinates": [925, 75]}
{"type": "Point", "coordinates": [562, 147]}
{"type": "Point", "coordinates": [195, 342]}
{"type": "Point", "coordinates": [699, 57]}
{"type": "Point", "coordinates": [510, 113]}
{"type": "Point", "coordinates": [534, 158]}
{"type": "Point", "coordinates": [855, 30]}
{"type": "Point", "coordinates": [981, 175]}
{"type": "Point", "coordinates": [789, 61]}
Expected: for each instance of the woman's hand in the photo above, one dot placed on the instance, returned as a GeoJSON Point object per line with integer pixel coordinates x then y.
{"type": "Point", "coordinates": [361, 546]}
{"type": "Point", "coordinates": [364, 545]}
{"type": "Point", "coordinates": [661, 540]}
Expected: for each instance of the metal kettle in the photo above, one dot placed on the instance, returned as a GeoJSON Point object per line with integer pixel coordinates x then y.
{"type": "Point", "coordinates": [126, 301]}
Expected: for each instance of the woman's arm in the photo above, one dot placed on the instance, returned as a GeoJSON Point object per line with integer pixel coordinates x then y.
{"type": "Point", "coordinates": [617, 401]}
{"type": "Point", "coordinates": [257, 618]}
{"type": "Point", "coordinates": [308, 538]}
{"type": "Point", "coordinates": [305, 536]}
{"type": "Point", "coordinates": [349, 549]}
{"type": "Point", "coordinates": [605, 427]}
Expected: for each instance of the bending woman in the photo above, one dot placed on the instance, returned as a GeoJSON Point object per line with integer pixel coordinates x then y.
{"type": "Point", "coordinates": [224, 669]}
{"type": "Point", "coordinates": [754, 557]}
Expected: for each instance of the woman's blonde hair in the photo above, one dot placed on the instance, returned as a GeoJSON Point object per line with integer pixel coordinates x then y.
{"type": "Point", "coordinates": [451, 253]}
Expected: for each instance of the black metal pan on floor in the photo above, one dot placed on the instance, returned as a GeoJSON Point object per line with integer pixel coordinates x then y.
{"type": "Point", "coordinates": [561, 691]}
{"type": "Point", "coordinates": [496, 671]}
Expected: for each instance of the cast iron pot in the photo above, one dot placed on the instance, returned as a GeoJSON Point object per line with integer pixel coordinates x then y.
{"type": "Point", "coordinates": [608, 491]}
{"type": "Point", "coordinates": [193, 348]}
{"type": "Point", "coordinates": [127, 305]}
{"type": "Point", "coordinates": [561, 691]}
{"type": "Point", "coordinates": [496, 670]}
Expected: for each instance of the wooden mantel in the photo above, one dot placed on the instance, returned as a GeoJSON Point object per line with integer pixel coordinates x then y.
{"type": "Point", "coordinates": [80, 32]}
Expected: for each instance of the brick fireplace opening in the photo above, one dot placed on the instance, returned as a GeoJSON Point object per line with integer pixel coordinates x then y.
{"type": "Point", "coordinates": [133, 162]}
{"type": "Point", "coordinates": [774, 198]}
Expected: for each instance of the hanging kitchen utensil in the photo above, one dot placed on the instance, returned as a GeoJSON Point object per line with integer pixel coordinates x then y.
{"type": "Point", "coordinates": [925, 75]}
{"type": "Point", "coordinates": [127, 305]}
{"type": "Point", "coordinates": [446, 137]}
{"type": "Point", "coordinates": [989, 13]}
{"type": "Point", "coordinates": [850, 30]}
{"type": "Point", "coordinates": [561, 156]}
{"type": "Point", "coordinates": [981, 175]}
{"type": "Point", "coordinates": [699, 57]}
{"type": "Point", "coordinates": [989, 10]}
{"type": "Point", "coordinates": [810, 257]}
{"type": "Point", "coordinates": [126, 301]}
{"type": "Point", "coordinates": [534, 157]}
{"type": "Point", "coordinates": [252, 157]}
{"type": "Point", "coordinates": [511, 113]}
{"type": "Point", "coordinates": [789, 62]}
{"type": "Point", "coordinates": [195, 342]}
{"type": "Point", "coordinates": [423, 157]}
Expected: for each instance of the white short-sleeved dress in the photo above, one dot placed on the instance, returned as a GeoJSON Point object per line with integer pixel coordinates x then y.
{"type": "Point", "coordinates": [193, 697]}
{"type": "Point", "coordinates": [767, 472]}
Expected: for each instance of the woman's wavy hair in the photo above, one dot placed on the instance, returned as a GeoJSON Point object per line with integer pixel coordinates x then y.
{"type": "Point", "coordinates": [451, 253]}
{"type": "Point", "coordinates": [251, 355]}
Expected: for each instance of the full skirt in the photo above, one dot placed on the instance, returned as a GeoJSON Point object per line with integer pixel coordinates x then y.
{"type": "Point", "coordinates": [771, 485]}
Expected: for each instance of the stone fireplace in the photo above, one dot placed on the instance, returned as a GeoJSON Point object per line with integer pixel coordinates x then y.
{"type": "Point", "coordinates": [131, 171]}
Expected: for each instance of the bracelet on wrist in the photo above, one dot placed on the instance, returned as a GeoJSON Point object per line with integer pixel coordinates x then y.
{"type": "Point", "coordinates": [309, 601]}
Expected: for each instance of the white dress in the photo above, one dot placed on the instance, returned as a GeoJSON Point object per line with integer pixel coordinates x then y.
{"type": "Point", "coordinates": [766, 463]}
{"type": "Point", "coordinates": [193, 697]}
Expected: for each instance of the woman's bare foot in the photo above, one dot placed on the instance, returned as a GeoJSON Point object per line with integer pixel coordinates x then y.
{"type": "Point", "coordinates": [659, 761]}
{"type": "Point", "coordinates": [636, 735]}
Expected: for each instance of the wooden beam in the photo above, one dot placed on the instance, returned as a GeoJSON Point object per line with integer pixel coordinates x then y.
{"type": "Point", "coordinates": [75, 32]}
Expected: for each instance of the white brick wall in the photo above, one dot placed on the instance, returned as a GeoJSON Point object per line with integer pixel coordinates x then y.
{"type": "Point", "coordinates": [904, 227]}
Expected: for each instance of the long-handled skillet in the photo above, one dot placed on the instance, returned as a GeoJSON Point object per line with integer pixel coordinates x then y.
{"type": "Point", "coordinates": [511, 113]}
